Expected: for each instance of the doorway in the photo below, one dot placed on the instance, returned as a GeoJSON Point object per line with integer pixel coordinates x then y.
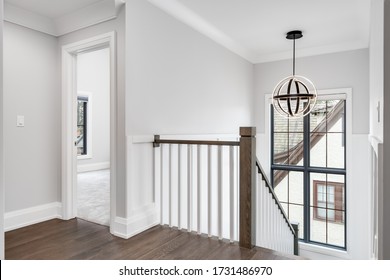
{"type": "Point", "coordinates": [93, 136]}
{"type": "Point", "coordinates": [88, 151]}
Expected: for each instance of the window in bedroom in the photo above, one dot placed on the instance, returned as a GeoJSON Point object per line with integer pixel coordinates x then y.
{"type": "Point", "coordinates": [82, 118]}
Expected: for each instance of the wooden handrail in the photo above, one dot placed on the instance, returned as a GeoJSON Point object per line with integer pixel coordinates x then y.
{"type": "Point", "coordinates": [159, 141]}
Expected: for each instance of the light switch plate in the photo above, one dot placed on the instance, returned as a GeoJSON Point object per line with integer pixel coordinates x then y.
{"type": "Point", "coordinates": [20, 121]}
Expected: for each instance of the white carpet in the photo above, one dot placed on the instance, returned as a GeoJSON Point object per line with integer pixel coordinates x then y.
{"type": "Point", "coordinates": [93, 196]}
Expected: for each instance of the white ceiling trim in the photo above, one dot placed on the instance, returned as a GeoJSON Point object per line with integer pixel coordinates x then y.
{"type": "Point", "coordinates": [305, 52]}
{"type": "Point", "coordinates": [28, 19]}
{"type": "Point", "coordinates": [88, 16]}
{"type": "Point", "coordinates": [192, 19]}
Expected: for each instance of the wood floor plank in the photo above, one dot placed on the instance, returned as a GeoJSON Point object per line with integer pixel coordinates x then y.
{"type": "Point", "coordinates": [167, 250]}
{"type": "Point", "coordinates": [201, 248]}
{"type": "Point", "coordinates": [81, 240]}
{"type": "Point", "coordinates": [136, 246]}
{"type": "Point", "coordinates": [231, 252]}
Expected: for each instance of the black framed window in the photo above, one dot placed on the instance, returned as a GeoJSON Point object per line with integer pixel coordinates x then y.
{"type": "Point", "coordinates": [308, 171]}
{"type": "Point", "coordinates": [82, 115]}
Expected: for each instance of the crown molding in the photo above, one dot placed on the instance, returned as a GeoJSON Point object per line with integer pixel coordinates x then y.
{"type": "Point", "coordinates": [28, 19]}
{"type": "Point", "coordinates": [93, 14]}
{"type": "Point", "coordinates": [313, 51]}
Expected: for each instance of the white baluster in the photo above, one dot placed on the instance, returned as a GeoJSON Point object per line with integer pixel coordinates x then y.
{"type": "Point", "coordinates": [209, 181]}
{"type": "Point", "coordinates": [237, 193]}
{"type": "Point", "coordinates": [189, 187]}
{"type": "Point", "coordinates": [231, 181]}
{"type": "Point", "coordinates": [161, 183]}
{"type": "Point", "coordinates": [220, 206]}
{"type": "Point", "coordinates": [179, 202]}
{"type": "Point", "coordinates": [264, 216]}
{"type": "Point", "coordinates": [199, 178]}
{"type": "Point", "coordinates": [170, 185]}
{"type": "Point", "coordinates": [260, 211]}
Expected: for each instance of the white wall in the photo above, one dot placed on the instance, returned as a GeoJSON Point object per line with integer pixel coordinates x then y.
{"type": "Point", "coordinates": [177, 82]}
{"type": "Point", "coordinates": [31, 89]}
{"type": "Point", "coordinates": [376, 69]}
{"type": "Point", "coordinates": [338, 70]}
{"type": "Point", "coordinates": [117, 25]}
{"type": "Point", "coordinates": [93, 76]}
{"type": "Point", "coordinates": [1, 139]}
{"type": "Point", "coordinates": [377, 47]}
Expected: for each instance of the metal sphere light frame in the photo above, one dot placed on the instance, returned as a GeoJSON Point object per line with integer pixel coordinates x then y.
{"type": "Point", "coordinates": [294, 96]}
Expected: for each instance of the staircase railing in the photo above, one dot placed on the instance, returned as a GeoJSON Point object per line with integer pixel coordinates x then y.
{"type": "Point", "coordinates": [214, 188]}
{"type": "Point", "coordinates": [275, 230]}
{"type": "Point", "coordinates": [193, 191]}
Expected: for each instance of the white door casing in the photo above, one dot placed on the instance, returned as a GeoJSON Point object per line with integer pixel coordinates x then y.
{"type": "Point", "coordinates": [69, 114]}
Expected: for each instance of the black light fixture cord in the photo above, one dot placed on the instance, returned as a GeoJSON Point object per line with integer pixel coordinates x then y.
{"type": "Point", "coordinates": [294, 57]}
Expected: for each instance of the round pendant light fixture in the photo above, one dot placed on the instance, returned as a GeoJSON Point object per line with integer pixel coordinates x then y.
{"type": "Point", "coordinates": [294, 96]}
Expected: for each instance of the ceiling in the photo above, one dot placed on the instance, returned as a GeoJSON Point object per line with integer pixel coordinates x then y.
{"type": "Point", "coordinates": [52, 8]}
{"type": "Point", "coordinates": [253, 29]}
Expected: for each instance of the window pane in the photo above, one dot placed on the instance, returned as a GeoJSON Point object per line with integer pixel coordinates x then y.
{"type": "Point", "coordinates": [337, 181]}
{"type": "Point", "coordinates": [281, 184]}
{"type": "Point", "coordinates": [327, 116]}
{"type": "Point", "coordinates": [296, 216]}
{"type": "Point", "coordinates": [336, 230]}
{"type": "Point", "coordinates": [80, 140]}
{"type": "Point", "coordinates": [280, 148]}
{"type": "Point", "coordinates": [317, 226]}
{"type": "Point", "coordinates": [280, 123]}
{"type": "Point", "coordinates": [335, 116]}
{"type": "Point", "coordinates": [318, 117]}
{"type": "Point", "coordinates": [332, 196]}
{"type": "Point", "coordinates": [318, 149]}
{"type": "Point", "coordinates": [289, 186]}
{"type": "Point", "coordinates": [295, 125]}
{"type": "Point", "coordinates": [80, 113]}
{"type": "Point", "coordinates": [295, 187]}
{"type": "Point", "coordinates": [295, 149]}
{"type": "Point", "coordinates": [285, 208]}
{"type": "Point", "coordinates": [335, 145]}
{"type": "Point", "coordinates": [317, 180]}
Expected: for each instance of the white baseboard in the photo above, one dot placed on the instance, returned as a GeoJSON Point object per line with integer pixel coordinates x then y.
{"type": "Point", "coordinates": [137, 223]}
{"type": "Point", "coordinates": [29, 216]}
{"type": "Point", "coordinates": [93, 166]}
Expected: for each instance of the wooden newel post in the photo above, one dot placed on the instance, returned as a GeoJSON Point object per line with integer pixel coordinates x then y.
{"type": "Point", "coordinates": [156, 138]}
{"type": "Point", "coordinates": [247, 186]}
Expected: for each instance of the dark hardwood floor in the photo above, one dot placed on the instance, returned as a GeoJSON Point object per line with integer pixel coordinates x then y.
{"type": "Point", "coordinates": [81, 240]}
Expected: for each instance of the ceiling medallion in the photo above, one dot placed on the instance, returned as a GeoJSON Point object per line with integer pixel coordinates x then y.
{"type": "Point", "coordinates": [294, 96]}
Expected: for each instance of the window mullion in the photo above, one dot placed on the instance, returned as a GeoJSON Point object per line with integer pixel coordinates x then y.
{"type": "Point", "coordinates": [306, 177]}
